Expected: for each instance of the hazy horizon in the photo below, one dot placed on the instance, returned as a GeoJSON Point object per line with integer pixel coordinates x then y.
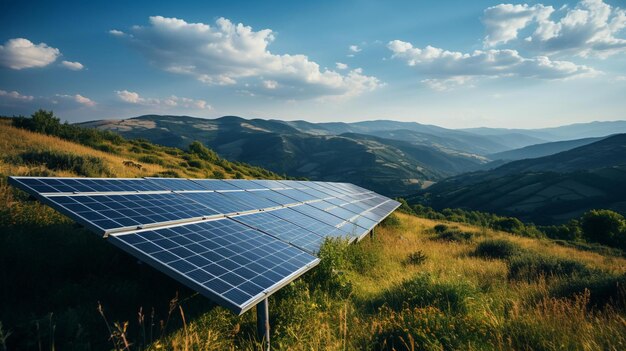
{"type": "Point", "coordinates": [457, 65]}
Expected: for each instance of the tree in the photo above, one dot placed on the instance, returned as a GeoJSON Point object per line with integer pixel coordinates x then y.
{"type": "Point", "coordinates": [45, 122]}
{"type": "Point", "coordinates": [509, 224]}
{"type": "Point", "coordinates": [203, 152]}
{"type": "Point", "coordinates": [604, 226]}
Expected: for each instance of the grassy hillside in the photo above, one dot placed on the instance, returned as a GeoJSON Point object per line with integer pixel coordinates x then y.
{"type": "Point", "coordinates": [417, 284]}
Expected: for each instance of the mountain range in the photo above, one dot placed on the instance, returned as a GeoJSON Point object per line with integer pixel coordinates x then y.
{"type": "Point", "coordinates": [544, 190]}
{"type": "Point", "coordinates": [391, 157]}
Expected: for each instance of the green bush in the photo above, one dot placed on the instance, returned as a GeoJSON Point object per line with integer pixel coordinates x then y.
{"type": "Point", "coordinates": [440, 228]}
{"type": "Point", "coordinates": [87, 166]}
{"type": "Point", "coordinates": [416, 258]}
{"type": "Point", "coordinates": [151, 159]}
{"type": "Point", "coordinates": [423, 291]}
{"type": "Point", "coordinates": [392, 221]}
{"type": "Point", "coordinates": [604, 226]}
{"type": "Point", "coordinates": [604, 288]}
{"type": "Point", "coordinates": [454, 234]}
{"type": "Point", "coordinates": [530, 266]}
{"type": "Point", "coordinates": [329, 274]}
{"type": "Point", "coordinates": [204, 153]}
{"type": "Point", "coordinates": [497, 249]}
{"type": "Point", "coordinates": [362, 257]}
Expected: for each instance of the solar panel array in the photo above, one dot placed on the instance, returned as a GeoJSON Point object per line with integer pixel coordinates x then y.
{"type": "Point", "coordinates": [235, 241]}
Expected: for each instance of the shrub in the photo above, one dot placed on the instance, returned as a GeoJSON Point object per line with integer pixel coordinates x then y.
{"type": "Point", "coordinates": [530, 266]}
{"type": "Point", "coordinates": [204, 153]}
{"type": "Point", "coordinates": [217, 174]}
{"type": "Point", "coordinates": [423, 291]}
{"type": "Point", "coordinates": [428, 329]}
{"type": "Point", "coordinates": [603, 287]}
{"type": "Point", "coordinates": [452, 233]}
{"type": "Point", "coordinates": [363, 257]}
{"type": "Point", "coordinates": [416, 258]}
{"type": "Point", "coordinates": [87, 166]}
{"type": "Point", "coordinates": [604, 226]}
{"type": "Point", "coordinates": [440, 228]}
{"type": "Point", "coordinates": [497, 249]}
{"type": "Point", "coordinates": [328, 275]}
{"type": "Point", "coordinates": [392, 221]}
{"type": "Point", "coordinates": [509, 224]}
{"type": "Point", "coordinates": [151, 159]}
{"type": "Point", "coordinates": [197, 163]}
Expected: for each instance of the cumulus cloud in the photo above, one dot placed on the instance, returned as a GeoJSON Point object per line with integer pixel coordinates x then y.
{"type": "Point", "coordinates": [116, 32]}
{"type": "Point", "coordinates": [77, 98]}
{"type": "Point", "coordinates": [15, 95]}
{"type": "Point", "coordinates": [270, 84]}
{"type": "Point", "coordinates": [341, 66]}
{"type": "Point", "coordinates": [169, 102]}
{"type": "Point", "coordinates": [354, 48]}
{"type": "Point", "coordinates": [227, 54]}
{"type": "Point", "coordinates": [447, 83]}
{"type": "Point", "coordinates": [74, 66]}
{"type": "Point", "coordinates": [20, 53]}
{"type": "Point", "coordinates": [444, 64]}
{"type": "Point", "coordinates": [590, 28]}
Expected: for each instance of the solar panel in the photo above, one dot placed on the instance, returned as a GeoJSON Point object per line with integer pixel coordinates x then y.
{"type": "Point", "coordinates": [108, 213]}
{"type": "Point", "coordinates": [224, 260]}
{"type": "Point", "coordinates": [215, 184]}
{"type": "Point", "coordinates": [283, 230]}
{"type": "Point", "coordinates": [235, 241]}
{"type": "Point", "coordinates": [39, 185]}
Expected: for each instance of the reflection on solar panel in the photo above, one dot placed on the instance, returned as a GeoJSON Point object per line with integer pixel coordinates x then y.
{"type": "Point", "coordinates": [234, 241]}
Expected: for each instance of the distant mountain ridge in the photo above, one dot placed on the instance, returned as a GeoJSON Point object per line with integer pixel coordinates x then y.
{"type": "Point", "coordinates": [391, 157]}
{"type": "Point", "coordinates": [544, 190]}
{"type": "Point", "coordinates": [540, 150]}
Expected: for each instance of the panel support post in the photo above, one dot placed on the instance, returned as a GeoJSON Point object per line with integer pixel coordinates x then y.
{"type": "Point", "coordinates": [263, 322]}
{"type": "Point", "coordinates": [372, 233]}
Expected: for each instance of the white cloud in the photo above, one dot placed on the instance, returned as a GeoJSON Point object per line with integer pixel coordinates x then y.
{"type": "Point", "coordinates": [116, 32]}
{"type": "Point", "coordinates": [442, 64]}
{"type": "Point", "coordinates": [227, 53]}
{"type": "Point", "coordinates": [15, 95]}
{"type": "Point", "coordinates": [74, 66]}
{"type": "Point", "coordinates": [354, 48]}
{"type": "Point", "coordinates": [128, 96]}
{"type": "Point", "coordinates": [169, 102]}
{"type": "Point", "coordinates": [20, 53]}
{"type": "Point", "coordinates": [341, 66]}
{"type": "Point", "coordinates": [79, 99]}
{"type": "Point", "coordinates": [590, 28]}
{"type": "Point", "coordinates": [503, 22]}
{"type": "Point", "coordinates": [447, 83]}
{"type": "Point", "coordinates": [270, 84]}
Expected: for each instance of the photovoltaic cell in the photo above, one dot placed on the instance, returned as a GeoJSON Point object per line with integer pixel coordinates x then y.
{"type": "Point", "coordinates": [219, 202]}
{"type": "Point", "coordinates": [109, 212]}
{"type": "Point", "coordinates": [224, 260]}
{"type": "Point", "coordinates": [283, 230]}
{"type": "Point", "coordinates": [215, 184]}
{"type": "Point", "coordinates": [275, 197]}
{"type": "Point", "coordinates": [319, 214]}
{"type": "Point", "coordinates": [309, 223]}
{"type": "Point", "coordinates": [38, 185]}
{"type": "Point", "coordinates": [177, 184]}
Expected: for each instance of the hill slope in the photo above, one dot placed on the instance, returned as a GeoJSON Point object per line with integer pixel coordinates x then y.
{"type": "Point", "coordinates": [387, 166]}
{"type": "Point", "coordinates": [544, 190]}
{"type": "Point", "coordinates": [540, 150]}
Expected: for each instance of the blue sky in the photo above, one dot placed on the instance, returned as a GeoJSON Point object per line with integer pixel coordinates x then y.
{"type": "Point", "coordinates": [455, 63]}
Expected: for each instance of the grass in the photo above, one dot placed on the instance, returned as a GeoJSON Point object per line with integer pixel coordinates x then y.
{"type": "Point", "coordinates": [490, 291]}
